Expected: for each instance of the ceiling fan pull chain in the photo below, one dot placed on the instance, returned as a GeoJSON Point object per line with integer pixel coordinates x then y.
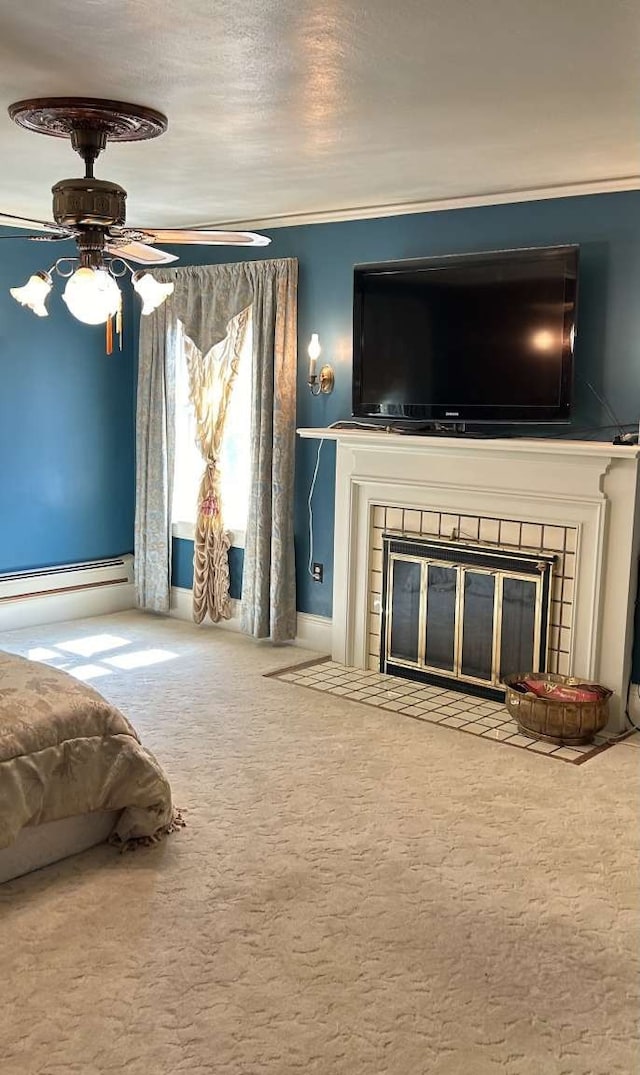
{"type": "Point", "coordinates": [93, 213]}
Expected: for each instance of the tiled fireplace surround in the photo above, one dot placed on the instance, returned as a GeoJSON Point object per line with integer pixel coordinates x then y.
{"type": "Point", "coordinates": [575, 500]}
{"type": "Point", "coordinates": [557, 541]}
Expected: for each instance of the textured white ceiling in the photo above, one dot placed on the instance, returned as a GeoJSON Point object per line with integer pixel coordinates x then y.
{"type": "Point", "coordinates": [285, 109]}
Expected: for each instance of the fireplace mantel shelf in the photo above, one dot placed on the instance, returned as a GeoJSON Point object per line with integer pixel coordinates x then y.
{"type": "Point", "coordinates": [368, 438]}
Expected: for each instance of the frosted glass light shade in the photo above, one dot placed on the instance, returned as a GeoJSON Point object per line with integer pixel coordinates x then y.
{"type": "Point", "coordinates": [34, 293]}
{"type": "Point", "coordinates": [92, 296]}
{"type": "Point", "coordinates": [313, 351]}
{"type": "Point", "coordinates": [314, 348]}
{"type": "Point", "coordinates": [152, 292]}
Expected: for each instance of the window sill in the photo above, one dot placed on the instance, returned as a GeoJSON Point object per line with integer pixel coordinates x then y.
{"type": "Point", "coordinates": [186, 531]}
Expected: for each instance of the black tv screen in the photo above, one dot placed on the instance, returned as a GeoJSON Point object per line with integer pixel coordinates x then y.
{"type": "Point", "coordinates": [473, 338]}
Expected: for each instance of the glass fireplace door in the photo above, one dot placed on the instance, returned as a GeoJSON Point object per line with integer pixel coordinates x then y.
{"type": "Point", "coordinates": [440, 619]}
{"type": "Point", "coordinates": [461, 621]}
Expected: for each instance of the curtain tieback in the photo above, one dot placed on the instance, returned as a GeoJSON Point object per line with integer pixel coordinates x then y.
{"type": "Point", "coordinates": [209, 507]}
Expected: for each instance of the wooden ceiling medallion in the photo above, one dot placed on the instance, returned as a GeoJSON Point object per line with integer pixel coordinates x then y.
{"type": "Point", "coordinates": [61, 117]}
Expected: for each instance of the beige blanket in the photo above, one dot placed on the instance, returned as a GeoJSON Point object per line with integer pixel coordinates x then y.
{"type": "Point", "coordinates": [64, 750]}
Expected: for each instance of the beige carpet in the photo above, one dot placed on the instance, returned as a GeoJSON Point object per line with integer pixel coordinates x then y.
{"type": "Point", "coordinates": [356, 892]}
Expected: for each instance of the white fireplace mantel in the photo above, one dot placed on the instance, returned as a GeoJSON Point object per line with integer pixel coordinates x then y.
{"type": "Point", "coordinates": [586, 485]}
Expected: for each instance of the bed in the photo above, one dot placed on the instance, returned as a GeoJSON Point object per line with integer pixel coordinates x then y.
{"type": "Point", "coordinates": [73, 771]}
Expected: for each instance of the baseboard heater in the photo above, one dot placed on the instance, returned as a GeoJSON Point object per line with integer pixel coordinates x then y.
{"type": "Point", "coordinates": [67, 591]}
{"type": "Point", "coordinates": [67, 578]}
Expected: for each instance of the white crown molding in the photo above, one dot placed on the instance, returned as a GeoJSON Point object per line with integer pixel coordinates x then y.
{"type": "Point", "coordinates": [614, 185]}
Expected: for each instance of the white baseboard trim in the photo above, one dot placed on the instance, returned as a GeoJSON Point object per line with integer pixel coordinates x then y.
{"type": "Point", "coordinates": [78, 605]}
{"type": "Point", "coordinates": [312, 632]}
{"type": "Point", "coordinates": [182, 609]}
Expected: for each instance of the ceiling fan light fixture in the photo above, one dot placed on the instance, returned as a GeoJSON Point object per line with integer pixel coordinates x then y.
{"type": "Point", "coordinates": [34, 293]}
{"type": "Point", "coordinates": [92, 212]}
{"type": "Point", "coordinates": [92, 295]}
{"type": "Point", "coordinates": [152, 292]}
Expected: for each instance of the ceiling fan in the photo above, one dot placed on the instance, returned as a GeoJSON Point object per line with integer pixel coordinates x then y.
{"type": "Point", "coordinates": [93, 212]}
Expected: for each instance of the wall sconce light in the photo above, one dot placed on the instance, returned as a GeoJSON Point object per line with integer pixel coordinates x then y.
{"type": "Point", "coordinates": [323, 381]}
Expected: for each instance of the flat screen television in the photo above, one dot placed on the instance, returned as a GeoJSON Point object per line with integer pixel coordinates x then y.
{"type": "Point", "coordinates": [466, 338]}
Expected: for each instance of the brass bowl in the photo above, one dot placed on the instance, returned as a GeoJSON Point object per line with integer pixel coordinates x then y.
{"type": "Point", "coordinates": [552, 720]}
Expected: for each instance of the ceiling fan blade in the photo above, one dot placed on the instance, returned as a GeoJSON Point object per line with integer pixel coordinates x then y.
{"type": "Point", "coordinates": [140, 253]}
{"type": "Point", "coordinates": [203, 237]}
{"type": "Point", "coordinates": [39, 238]}
{"type": "Point", "coordinates": [8, 220]}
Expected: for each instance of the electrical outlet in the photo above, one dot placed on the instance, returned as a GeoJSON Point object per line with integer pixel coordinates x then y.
{"type": "Point", "coordinates": [317, 570]}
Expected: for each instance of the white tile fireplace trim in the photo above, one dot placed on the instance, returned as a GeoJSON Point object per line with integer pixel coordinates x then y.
{"type": "Point", "coordinates": [590, 486]}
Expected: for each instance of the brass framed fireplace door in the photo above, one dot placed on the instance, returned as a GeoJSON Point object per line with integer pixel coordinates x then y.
{"type": "Point", "coordinates": [461, 615]}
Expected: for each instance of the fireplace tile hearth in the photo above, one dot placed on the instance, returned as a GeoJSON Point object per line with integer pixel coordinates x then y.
{"type": "Point", "coordinates": [484, 718]}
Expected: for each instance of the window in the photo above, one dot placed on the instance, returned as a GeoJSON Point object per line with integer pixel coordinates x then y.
{"type": "Point", "coordinates": [235, 455]}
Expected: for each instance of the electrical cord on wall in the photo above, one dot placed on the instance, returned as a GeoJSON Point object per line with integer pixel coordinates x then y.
{"type": "Point", "coordinates": [310, 509]}
{"type": "Point", "coordinates": [622, 437]}
{"type": "Point", "coordinates": [632, 724]}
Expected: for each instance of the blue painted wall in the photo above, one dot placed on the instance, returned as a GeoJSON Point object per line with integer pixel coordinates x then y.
{"type": "Point", "coordinates": [607, 227]}
{"type": "Point", "coordinates": [66, 411]}
{"type": "Point", "coordinates": [66, 427]}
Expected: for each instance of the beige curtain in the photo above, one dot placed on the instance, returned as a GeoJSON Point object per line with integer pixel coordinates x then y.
{"type": "Point", "coordinates": [205, 301]}
{"type": "Point", "coordinates": [211, 378]}
{"type": "Point", "coordinates": [268, 579]}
